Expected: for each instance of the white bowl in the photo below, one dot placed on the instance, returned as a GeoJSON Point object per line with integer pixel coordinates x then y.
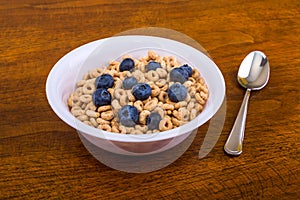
{"type": "Point", "coordinates": [71, 68]}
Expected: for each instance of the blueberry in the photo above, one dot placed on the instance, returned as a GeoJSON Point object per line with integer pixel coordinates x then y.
{"type": "Point", "coordinates": [141, 91]}
{"type": "Point", "coordinates": [104, 81]}
{"type": "Point", "coordinates": [101, 97]}
{"type": "Point", "coordinates": [129, 82]}
{"type": "Point", "coordinates": [187, 68]}
{"type": "Point", "coordinates": [178, 75]}
{"type": "Point", "coordinates": [152, 65]}
{"type": "Point", "coordinates": [126, 65]}
{"type": "Point", "coordinates": [153, 120]}
{"type": "Point", "coordinates": [128, 115]}
{"type": "Point", "coordinates": [177, 92]}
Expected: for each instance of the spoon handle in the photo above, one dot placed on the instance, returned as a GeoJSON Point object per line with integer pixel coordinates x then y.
{"type": "Point", "coordinates": [234, 143]}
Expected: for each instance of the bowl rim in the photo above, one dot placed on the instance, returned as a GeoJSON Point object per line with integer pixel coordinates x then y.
{"type": "Point", "coordinates": [101, 134]}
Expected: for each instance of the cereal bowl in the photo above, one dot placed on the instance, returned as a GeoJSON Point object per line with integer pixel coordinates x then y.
{"type": "Point", "coordinates": [72, 67]}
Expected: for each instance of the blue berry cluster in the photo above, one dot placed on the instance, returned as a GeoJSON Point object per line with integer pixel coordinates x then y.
{"type": "Point", "coordinates": [101, 96]}
{"type": "Point", "coordinates": [181, 74]}
{"type": "Point", "coordinates": [178, 92]}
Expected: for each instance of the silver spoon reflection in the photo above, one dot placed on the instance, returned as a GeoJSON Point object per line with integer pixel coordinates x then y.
{"type": "Point", "coordinates": [253, 74]}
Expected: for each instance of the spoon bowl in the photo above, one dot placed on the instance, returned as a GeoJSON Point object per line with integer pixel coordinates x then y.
{"type": "Point", "coordinates": [253, 74]}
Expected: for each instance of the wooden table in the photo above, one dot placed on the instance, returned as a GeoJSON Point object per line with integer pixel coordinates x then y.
{"type": "Point", "coordinates": [43, 158]}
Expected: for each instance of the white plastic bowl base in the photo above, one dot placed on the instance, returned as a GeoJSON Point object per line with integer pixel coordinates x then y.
{"type": "Point", "coordinates": [71, 68]}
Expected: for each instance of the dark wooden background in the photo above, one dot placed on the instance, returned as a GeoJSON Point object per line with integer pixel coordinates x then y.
{"type": "Point", "coordinates": [43, 158]}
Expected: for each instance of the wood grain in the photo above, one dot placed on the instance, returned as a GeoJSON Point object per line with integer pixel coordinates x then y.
{"type": "Point", "coordinates": [43, 158]}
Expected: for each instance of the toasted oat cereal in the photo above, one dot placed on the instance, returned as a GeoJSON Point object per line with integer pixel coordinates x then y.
{"type": "Point", "coordinates": [119, 110]}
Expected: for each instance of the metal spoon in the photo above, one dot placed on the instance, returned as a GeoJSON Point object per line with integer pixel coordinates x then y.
{"type": "Point", "coordinates": [253, 74]}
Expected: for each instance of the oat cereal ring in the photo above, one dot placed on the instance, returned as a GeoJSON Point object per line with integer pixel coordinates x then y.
{"type": "Point", "coordinates": [94, 122]}
{"type": "Point", "coordinates": [162, 73]}
{"type": "Point", "coordinates": [198, 107]}
{"type": "Point", "coordinates": [141, 66]}
{"type": "Point", "coordinates": [141, 129]}
{"type": "Point", "coordinates": [184, 113]}
{"type": "Point", "coordinates": [114, 65]}
{"type": "Point", "coordinates": [77, 111]}
{"type": "Point", "coordinates": [88, 123]}
{"type": "Point", "coordinates": [136, 132]}
{"type": "Point", "coordinates": [204, 88]}
{"type": "Point", "coordinates": [104, 108]}
{"type": "Point", "coordinates": [83, 118]}
{"type": "Point", "coordinates": [86, 98]}
{"type": "Point", "coordinates": [107, 115]}
{"type": "Point", "coordinates": [198, 86]}
{"type": "Point", "coordinates": [124, 100]}
{"type": "Point", "coordinates": [195, 73]}
{"type": "Point", "coordinates": [199, 99]}
{"type": "Point", "coordinates": [102, 121]}
{"type": "Point", "coordinates": [190, 105]}
{"type": "Point", "coordinates": [193, 114]}
{"type": "Point", "coordinates": [88, 88]}
{"type": "Point", "coordinates": [78, 91]}
{"type": "Point", "coordinates": [151, 131]}
{"type": "Point", "coordinates": [188, 84]}
{"type": "Point", "coordinates": [192, 91]}
{"type": "Point", "coordinates": [188, 97]}
{"type": "Point", "coordinates": [74, 101]}
{"type": "Point", "coordinates": [115, 129]}
{"type": "Point", "coordinates": [124, 74]}
{"type": "Point", "coordinates": [119, 93]}
{"type": "Point", "coordinates": [168, 101]}
{"type": "Point", "coordinates": [150, 105]}
{"type": "Point", "coordinates": [204, 95]}
{"type": "Point", "coordinates": [113, 73]}
{"type": "Point", "coordinates": [147, 100]}
{"type": "Point", "coordinates": [122, 129]}
{"type": "Point", "coordinates": [70, 100]}
{"type": "Point", "coordinates": [139, 75]}
{"type": "Point", "coordinates": [152, 55]}
{"type": "Point", "coordinates": [201, 81]}
{"type": "Point", "coordinates": [80, 83]}
{"type": "Point", "coordinates": [91, 113]}
{"type": "Point", "coordinates": [105, 127]}
{"type": "Point", "coordinates": [86, 76]}
{"type": "Point", "coordinates": [130, 96]}
{"type": "Point", "coordinates": [118, 83]}
{"type": "Point", "coordinates": [129, 130]}
{"type": "Point", "coordinates": [167, 106]}
{"type": "Point", "coordinates": [192, 80]}
{"type": "Point", "coordinates": [143, 116]}
{"type": "Point", "coordinates": [180, 104]}
{"type": "Point", "coordinates": [94, 73]}
{"type": "Point", "coordinates": [163, 96]}
{"type": "Point", "coordinates": [177, 122]}
{"type": "Point", "coordinates": [164, 88]}
{"type": "Point", "coordinates": [181, 114]}
{"type": "Point", "coordinates": [90, 106]}
{"type": "Point", "coordinates": [152, 76]}
{"type": "Point", "coordinates": [165, 124]}
{"type": "Point", "coordinates": [139, 105]}
{"type": "Point", "coordinates": [114, 122]}
{"type": "Point", "coordinates": [161, 82]}
{"type": "Point", "coordinates": [155, 90]}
